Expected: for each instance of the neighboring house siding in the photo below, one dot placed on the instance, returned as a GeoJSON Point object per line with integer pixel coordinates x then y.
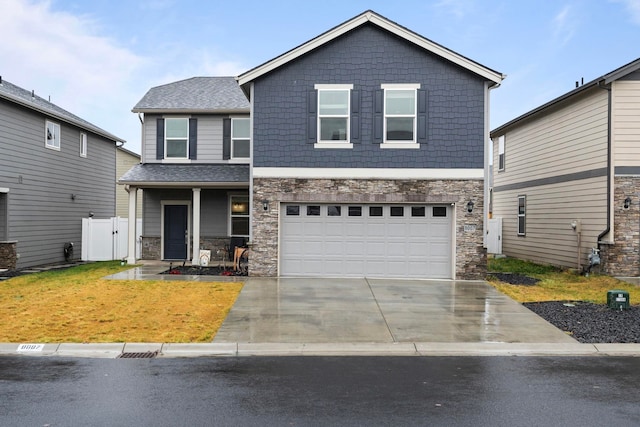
{"type": "Point", "coordinates": [209, 137]}
{"type": "Point", "coordinates": [558, 161]}
{"type": "Point", "coordinates": [368, 57]}
{"type": "Point", "coordinates": [124, 162]}
{"type": "Point", "coordinates": [42, 214]}
{"type": "Point", "coordinates": [626, 123]}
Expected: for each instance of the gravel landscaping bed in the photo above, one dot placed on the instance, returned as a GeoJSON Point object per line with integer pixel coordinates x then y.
{"type": "Point", "coordinates": [591, 323]}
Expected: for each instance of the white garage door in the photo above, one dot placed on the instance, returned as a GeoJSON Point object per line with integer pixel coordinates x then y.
{"type": "Point", "coordinates": [366, 240]}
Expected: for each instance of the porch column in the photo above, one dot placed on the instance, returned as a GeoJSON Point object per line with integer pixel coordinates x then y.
{"type": "Point", "coordinates": [196, 227]}
{"type": "Point", "coordinates": [131, 241]}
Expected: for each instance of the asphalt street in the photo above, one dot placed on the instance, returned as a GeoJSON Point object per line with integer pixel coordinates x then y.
{"type": "Point", "coordinates": [320, 391]}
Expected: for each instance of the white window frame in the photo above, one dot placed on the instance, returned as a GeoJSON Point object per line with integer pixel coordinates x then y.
{"type": "Point", "coordinates": [333, 143]}
{"type": "Point", "coordinates": [83, 144]}
{"type": "Point", "coordinates": [53, 136]}
{"type": "Point", "coordinates": [390, 143]}
{"type": "Point", "coordinates": [248, 139]}
{"type": "Point", "coordinates": [501, 158]}
{"type": "Point", "coordinates": [523, 215]}
{"type": "Point", "coordinates": [166, 139]}
{"type": "Point", "coordinates": [245, 198]}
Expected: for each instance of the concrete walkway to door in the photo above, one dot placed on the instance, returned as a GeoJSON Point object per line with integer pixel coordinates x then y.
{"type": "Point", "coordinates": [319, 310]}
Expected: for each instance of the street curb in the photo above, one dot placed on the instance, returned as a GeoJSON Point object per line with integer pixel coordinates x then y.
{"type": "Point", "coordinates": [183, 350]}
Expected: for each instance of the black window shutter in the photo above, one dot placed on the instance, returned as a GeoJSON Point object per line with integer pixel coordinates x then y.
{"type": "Point", "coordinates": [422, 116]}
{"type": "Point", "coordinates": [355, 116]}
{"type": "Point", "coordinates": [193, 139]}
{"type": "Point", "coordinates": [159, 139]}
{"type": "Point", "coordinates": [378, 116]}
{"type": "Point", "coordinates": [226, 139]}
{"type": "Point", "coordinates": [312, 120]}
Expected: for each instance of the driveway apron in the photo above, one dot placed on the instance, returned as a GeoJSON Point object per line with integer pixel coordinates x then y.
{"type": "Point", "coordinates": [324, 310]}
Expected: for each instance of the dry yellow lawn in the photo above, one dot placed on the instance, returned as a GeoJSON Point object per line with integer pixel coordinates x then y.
{"type": "Point", "coordinates": [78, 305]}
{"type": "Point", "coordinates": [557, 285]}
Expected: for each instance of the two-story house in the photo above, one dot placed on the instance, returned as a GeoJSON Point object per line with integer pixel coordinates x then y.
{"type": "Point", "coordinates": [55, 169]}
{"type": "Point", "coordinates": [566, 177]}
{"type": "Point", "coordinates": [194, 169]}
{"type": "Point", "coordinates": [367, 157]}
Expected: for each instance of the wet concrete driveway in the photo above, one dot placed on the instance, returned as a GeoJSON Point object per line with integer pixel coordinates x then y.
{"type": "Point", "coordinates": [314, 310]}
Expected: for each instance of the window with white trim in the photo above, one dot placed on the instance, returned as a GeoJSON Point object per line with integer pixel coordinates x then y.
{"type": "Point", "coordinates": [52, 135]}
{"type": "Point", "coordinates": [240, 137]}
{"type": "Point", "coordinates": [501, 153]}
{"type": "Point", "coordinates": [400, 105]}
{"type": "Point", "coordinates": [176, 137]}
{"type": "Point", "coordinates": [334, 109]}
{"type": "Point", "coordinates": [239, 218]}
{"type": "Point", "coordinates": [522, 215]}
{"type": "Point", "coordinates": [83, 145]}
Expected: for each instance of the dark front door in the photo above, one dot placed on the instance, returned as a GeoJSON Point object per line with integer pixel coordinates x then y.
{"type": "Point", "coordinates": [175, 231]}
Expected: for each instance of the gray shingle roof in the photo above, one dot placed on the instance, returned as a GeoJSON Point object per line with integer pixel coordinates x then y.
{"type": "Point", "coordinates": [210, 94]}
{"type": "Point", "coordinates": [151, 173]}
{"type": "Point", "coordinates": [30, 100]}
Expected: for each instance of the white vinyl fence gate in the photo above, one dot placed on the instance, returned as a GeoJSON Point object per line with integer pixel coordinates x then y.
{"type": "Point", "coordinates": [494, 236]}
{"type": "Point", "coordinates": [106, 239]}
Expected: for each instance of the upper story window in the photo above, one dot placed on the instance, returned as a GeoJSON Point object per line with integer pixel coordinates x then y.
{"type": "Point", "coordinates": [240, 137]}
{"type": "Point", "coordinates": [176, 138]}
{"type": "Point", "coordinates": [501, 153]}
{"type": "Point", "coordinates": [334, 115]}
{"type": "Point", "coordinates": [52, 135]}
{"type": "Point", "coordinates": [83, 145]}
{"type": "Point", "coordinates": [400, 113]}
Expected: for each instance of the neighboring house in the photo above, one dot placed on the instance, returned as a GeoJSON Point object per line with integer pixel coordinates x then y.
{"type": "Point", "coordinates": [194, 168]}
{"type": "Point", "coordinates": [367, 150]}
{"type": "Point", "coordinates": [567, 177]}
{"type": "Point", "coordinates": [125, 160]}
{"type": "Point", "coordinates": [55, 168]}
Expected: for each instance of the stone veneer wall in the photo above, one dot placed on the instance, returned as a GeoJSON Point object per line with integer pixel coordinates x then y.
{"type": "Point", "coordinates": [151, 247]}
{"type": "Point", "coordinates": [471, 257]}
{"type": "Point", "coordinates": [622, 258]}
{"type": "Point", "coordinates": [8, 255]}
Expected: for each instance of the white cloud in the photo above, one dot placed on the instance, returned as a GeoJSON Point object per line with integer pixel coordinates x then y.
{"type": "Point", "coordinates": [564, 26]}
{"type": "Point", "coordinates": [458, 8]}
{"type": "Point", "coordinates": [60, 55]}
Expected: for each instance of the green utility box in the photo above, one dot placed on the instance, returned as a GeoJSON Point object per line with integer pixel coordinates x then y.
{"type": "Point", "coordinates": [618, 299]}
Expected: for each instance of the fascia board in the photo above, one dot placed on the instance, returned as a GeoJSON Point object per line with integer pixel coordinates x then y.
{"type": "Point", "coordinates": [169, 184]}
{"type": "Point", "coordinates": [190, 111]}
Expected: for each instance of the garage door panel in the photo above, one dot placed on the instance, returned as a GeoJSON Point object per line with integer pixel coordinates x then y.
{"type": "Point", "coordinates": [357, 246]}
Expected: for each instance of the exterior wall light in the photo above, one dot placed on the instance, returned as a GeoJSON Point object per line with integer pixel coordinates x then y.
{"type": "Point", "coordinates": [265, 205]}
{"type": "Point", "coordinates": [627, 202]}
{"type": "Point", "coordinates": [470, 206]}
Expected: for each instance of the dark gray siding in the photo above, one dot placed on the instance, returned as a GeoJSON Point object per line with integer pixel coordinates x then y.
{"type": "Point", "coordinates": [41, 213]}
{"type": "Point", "coordinates": [214, 210]}
{"type": "Point", "coordinates": [366, 58]}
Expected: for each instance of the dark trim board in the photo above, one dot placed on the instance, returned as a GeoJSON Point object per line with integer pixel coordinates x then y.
{"type": "Point", "coordinates": [577, 176]}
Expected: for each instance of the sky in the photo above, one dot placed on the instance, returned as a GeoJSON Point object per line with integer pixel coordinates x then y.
{"type": "Point", "coordinates": [98, 58]}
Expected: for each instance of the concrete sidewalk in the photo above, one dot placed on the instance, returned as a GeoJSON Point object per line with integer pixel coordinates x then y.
{"type": "Point", "coordinates": [344, 317]}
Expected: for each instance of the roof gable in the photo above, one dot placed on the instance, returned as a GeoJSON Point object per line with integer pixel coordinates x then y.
{"type": "Point", "coordinates": [601, 81]}
{"type": "Point", "coordinates": [382, 22]}
{"type": "Point", "coordinates": [197, 94]}
{"type": "Point", "coordinates": [30, 100]}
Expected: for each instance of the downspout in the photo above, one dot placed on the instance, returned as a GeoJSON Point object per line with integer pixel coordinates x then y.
{"type": "Point", "coordinates": [487, 160]}
{"type": "Point", "coordinates": [608, 229]}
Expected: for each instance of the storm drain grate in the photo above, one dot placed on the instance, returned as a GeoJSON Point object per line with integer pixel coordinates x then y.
{"type": "Point", "coordinates": [145, 355]}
